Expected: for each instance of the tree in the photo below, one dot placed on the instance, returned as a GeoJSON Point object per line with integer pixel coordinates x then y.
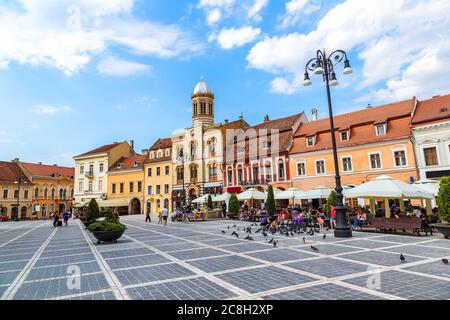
{"type": "Point", "coordinates": [92, 212]}
{"type": "Point", "coordinates": [233, 205]}
{"type": "Point", "coordinates": [443, 199]}
{"type": "Point", "coordinates": [331, 201]}
{"type": "Point", "coordinates": [210, 203]}
{"type": "Point", "coordinates": [270, 202]}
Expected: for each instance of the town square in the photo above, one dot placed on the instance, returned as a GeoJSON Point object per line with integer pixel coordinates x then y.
{"type": "Point", "coordinates": [225, 151]}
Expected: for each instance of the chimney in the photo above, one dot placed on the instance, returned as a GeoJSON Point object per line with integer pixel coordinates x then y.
{"type": "Point", "coordinates": [314, 116]}
{"type": "Point", "coordinates": [241, 116]}
{"type": "Point", "coordinates": [144, 152]}
{"type": "Point", "coordinates": [132, 144]}
{"type": "Point", "coordinates": [15, 160]}
{"type": "Point", "coordinates": [369, 106]}
{"type": "Point", "coordinates": [226, 120]}
{"type": "Point", "coordinates": [266, 118]}
{"type": "Point", "coordinates": [39, 162]}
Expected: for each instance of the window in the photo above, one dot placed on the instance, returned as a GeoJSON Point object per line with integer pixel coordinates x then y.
{"type": "Point", "coordinates": [5, 194]}
{"type": "Point", "coordinates": [81, 169]}
{"type": "Point", "coordinates": [139, 186]}
{"type": "Point", "coordinates": [193, 151]}
{"type": "Point", "coordinates": [381, 129]}
{"type": "Point", "coordinates": [310, 141]}
{"type": "Point", "coordinates": [281, 170]}
{"type": "Point", "coordinates": [212, 171]}
{"type": "Point", "coordinates": [431, 157]}
{"type": "Point", "coordinates": [100, 185]}
{"type": "Point", "coordinates": [240, 175]}
{"type": "Point", "coordinates": [255, 174]}
{"type": "Point", "coordinates": [344, 135]}
{"type": "Point", "coordinates": [91, 169]}
{"type": "Point", "coordinates": [167, 170]}
{"type": "Point", "coordinates": [80, 187]}
{"type": "Point", "coordinates": [152, 155]}
{"type": "Point", "coordinates": [400, 158]}
{"type": "Point", "coordinates": [149, 172]}
{"type": "Point", "coordinates": [158, 171]}
{"type": "Point", "coordinates": [16, 194]}
{"type": "Point", "coordinates": [167, 152]}
{"type": "Point", "coordinates": [230, 176]}
{"type": "Point", "coordinates": [131, 187]}
{"type": "Point", "coordinates": [320, 166]}
{"type": "Point", "coordinates": [180, 173]}
{"type": "Point", "coordinates": [46, 193]}
{"type": "Point", "coordinates": [375, 161]}
{"type": "Point", "coordinates": [149, 190]}
{"type": "Point", "coordinates": [101, 167]}
{"type": "Point", "coordinates": [90, 186]}
{"type": "Point", "coordinates": [193, 172]}
{"type": "Point", "coordinates": [121, 187]}
{"type": "Point", "coordinates": [301, 169]}
{"type": "Point", "coordinates": [158, 189]}
{"type": "Point", "coordinates": [159, 154]}
{"type": "Point", "coordinates": [212, 146]}
{"type": "Point", "coordinates": [267, 144]}
{"type": "Point", "coordinates": [268, 171]}
{"type": "Point", "coordinates": [53, 193]}
{"type": "Point", "coordinates": [347, 164]}
{"type": "Point", "coordinates": [113, 188]}
{"type": "Point", "coordinates": [36, 193]}
{"type": "Point", "coordinates": [25, 194]}
{"type": "Point", "coordinates": [166, 189]}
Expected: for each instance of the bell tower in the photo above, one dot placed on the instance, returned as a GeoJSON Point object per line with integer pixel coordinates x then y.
{"type": "Point", "coordinates": [202, 105]}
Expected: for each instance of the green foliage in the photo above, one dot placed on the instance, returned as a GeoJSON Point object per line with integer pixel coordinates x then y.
{"type": "Point", "coordinates": [331, 201]}
{"type": "Point", "coordinates": [210, 203]}
{"type": "Point", "coordinates": [92, 212]}
{"type": "Point", "coordinates": [109, 215]}
{"type": "Point", "coordinates": [270, 202]}
{"type": "Point", "coordinates": [233, 205]}
{"type": "Point", "coordinates": [106, 226]}
{"type": "Point", "coordinates": [443, 199]}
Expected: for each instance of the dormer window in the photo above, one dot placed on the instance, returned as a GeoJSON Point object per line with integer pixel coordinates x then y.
{"type": "Point", "coordinates": [137, 164]}
{"type": "Point", "coordinates": [310, 141]}
{"type": "Point", "coordinates": [152, 155]}
{"type": "Point", "coordinates": [380, 129]}
{"type": "Point", "coordinates": [267, 144]}
{"type": "Point", "coordinates": [345, 135]}
{"type": "Point", "coordinates": [167, 152]}
{"type": "Point", "coordinates": [119, 165]}
{"type": "Point", "coordinates": [159, 154]}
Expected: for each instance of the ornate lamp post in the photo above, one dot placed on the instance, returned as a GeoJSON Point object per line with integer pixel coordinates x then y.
{"type": "Point", "coordinates": [182, 157]}
{"type": "Point", "coordinates": [324, 65]}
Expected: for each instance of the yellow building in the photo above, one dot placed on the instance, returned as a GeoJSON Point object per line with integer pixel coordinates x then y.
{"type": "Point", "coordinates": [158, 176]}
{"type": "Point", "coordinates": [125, 192]}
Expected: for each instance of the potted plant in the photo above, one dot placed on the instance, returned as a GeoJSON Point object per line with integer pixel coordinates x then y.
{"type": "Point", "coordinates": [91, 213]}
{"type": "Point", "coordinates": [270, 203]}
{"type": "Point", "coordinates": [443, 202]}
{"type": "Point", "coordinates": [233, 206]}
{"type": "Point", "coordinates": [107, 230]}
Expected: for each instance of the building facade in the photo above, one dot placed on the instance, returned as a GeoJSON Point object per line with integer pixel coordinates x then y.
{"type": "Point", "coordinates": [91, 171]}
{"type": "Point", "coordinates": [125, 191]}
{"type": "Point", "coordinates": [16, 191]}
{"type": "Point", "coordinates": [371, 142]}
{"type": "Point", "coordinates": [259, 157]}
{"type": "Point", "coordinates": [431, 135]}
{"type": "Point", "coordinates": [158, 178]}
{"type": "Point", "coordinates": [197, 152]}
{"type": "Point", "coordinates": [52, 188]}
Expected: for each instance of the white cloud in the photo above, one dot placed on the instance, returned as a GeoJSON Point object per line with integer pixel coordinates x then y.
{"type": "Point", "coordinates": [66, 34]}
{"type": "Point", "coordinates": [255, 9]}
{"type": "Point", "coordinates": [230, 38]}
{"type": "Point", "coordinates": [215, 3]}
{"type": "Point", "coordinates": [213, 16]}
{"type": "Point", "coordinates": [49, 110]}
{"type": "Point", "coordinates": [401, 43]}
{"type": "Point", "coordinates": [296, 9]}
{"type": "Point", "coordinates": [121, 107]}
{"type": "Point", "coordinates": [116, 67]}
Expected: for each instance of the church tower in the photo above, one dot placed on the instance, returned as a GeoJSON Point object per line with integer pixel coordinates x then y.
{"type": "Point", "coordinates": [202, 105]}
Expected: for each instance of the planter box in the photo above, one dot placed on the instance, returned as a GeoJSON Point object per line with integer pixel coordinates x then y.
{"type": "Point", "coordinates": [443, 228]}
{"type": "Point", "coordinates": [108, 236]}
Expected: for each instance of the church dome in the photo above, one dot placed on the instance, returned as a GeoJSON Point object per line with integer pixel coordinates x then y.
{"type": "Point", "coordinates": [201, 87]}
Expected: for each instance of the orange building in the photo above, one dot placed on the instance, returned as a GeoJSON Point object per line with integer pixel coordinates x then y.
{"type": "Point", "coordinates": [371, 142]}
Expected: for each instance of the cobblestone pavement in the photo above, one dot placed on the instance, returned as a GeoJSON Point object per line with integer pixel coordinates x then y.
{"type": "Point", "coordinates": [199, 261]}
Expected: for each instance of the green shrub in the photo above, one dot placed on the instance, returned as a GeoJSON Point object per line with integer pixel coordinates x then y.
{"type": "Point", "coordinates": [233, 205]}
{"type": "Point", "coordinates": [331, 201]}
{"type": "Point", "coordinates": [109, 215]}
{"type": "Point", "coordinates": [210, 203]}
{"type": "Point", "coordinates": [443, 200]}
{"type": "Point", "coordinates": [270, 202]}
{"type": "Point", "coordinates": [106, 226]}
{"type": "Point", "coordinates": [92, 212]}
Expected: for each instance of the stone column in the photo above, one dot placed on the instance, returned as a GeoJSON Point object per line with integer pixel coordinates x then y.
{"type": "Point", "coordinates": [386, 208]}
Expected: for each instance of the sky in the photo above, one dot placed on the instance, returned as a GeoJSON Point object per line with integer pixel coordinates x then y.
{"type": "Point", "coordinates": [77, 74]}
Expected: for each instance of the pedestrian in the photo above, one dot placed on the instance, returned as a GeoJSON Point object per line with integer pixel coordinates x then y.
{"type": "Point", "coordinates": [56, 220]}
{"type": "Point", "coordinates": [147, 217]}
{"type": "Point", "coordinates": [160, 220]}
{"type": "Point", "coordinates": [165, 215]}
{"type": "Point", "coordinates": [333, 217]}
{"type": "Point", "coordinates": [224, 210]}
{"type": "Point", "coordinates": [66, 217]}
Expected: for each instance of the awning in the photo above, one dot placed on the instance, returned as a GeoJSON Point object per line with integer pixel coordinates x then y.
{"type": "Point", "coordinates": [112, 203]}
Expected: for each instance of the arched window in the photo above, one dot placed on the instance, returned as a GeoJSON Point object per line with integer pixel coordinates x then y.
{"type": "Point", "coordinates": [203, 108]}
{"type": "Point", "coordinates": [36, 193]}
{"type": "Point", "coordinates": [166, 204]}
{"type": "Point", "coordinates": [268, 170]}
{"type": "Point", "coordinates": [180, 173]}
{"type": "Point", "coordinates": [255, 173]}
{"type": "Point", "coordinates": [193, 171]}
{"type": "Point", "coordinates": [240, 175]}
{"type": "Point", "coordinates": [65, 194]}
{"type": "Point", "coordinates": [53, 193]}
{"type": "Point", "coordinates": [61, 192]}
{"type": "Point", "coordinates": [281, 173]}
{"type": "Point", "coordinates": [230, 176]}
{"type": "Point", "coordinates": [213, 171]}
{"type": "Point", "coordinates": [45, 193]}
{"type": "Point", "coordinates": [210, 111]}
{"type": "Point", "coordinates": [195, 108]}
{"type": "Point", "coordinates": [193, 149]}
{"type": "Point", "coordinates": [212, 146]}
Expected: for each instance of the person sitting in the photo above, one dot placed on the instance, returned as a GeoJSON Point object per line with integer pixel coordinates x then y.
{"type": "Point", "coordinates": [395, 214]}
{"type": "Point", "coordinates": [197, 215]}
{"type": "Point", "coordinates": [320, 220]}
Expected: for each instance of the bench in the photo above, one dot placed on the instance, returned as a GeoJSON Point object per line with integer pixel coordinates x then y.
{"type": "Point", "coordinates": [416, 225]}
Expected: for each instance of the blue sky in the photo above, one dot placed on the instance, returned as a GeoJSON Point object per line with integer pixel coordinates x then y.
{"type": "Point", "coordinates": [78, 74]}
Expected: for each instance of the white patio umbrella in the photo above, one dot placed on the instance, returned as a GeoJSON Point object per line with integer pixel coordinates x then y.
{"type": "Point", "coordinates": [251, 194]}
{"type": "Point", "coordinates": [316, 193]}
{"type": "Point", "coordinates": [429, 186]}
{"type": "Point", "coordinates": [387, 187]}
{"type": "Point", "coordinates": [202, 199]}
{"type": "Point", "coordinates": [288, 194]}
{"type": "Point", "coordinates": [223, 197]}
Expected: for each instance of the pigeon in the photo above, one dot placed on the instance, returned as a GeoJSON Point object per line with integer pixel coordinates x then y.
{"type": "Point", "coordinates": [223, 231]}
{"type": "Point", "coordinates": [445, 260]}
{"type": "Point", "coordinates": [292, 234]}
{"type": "Point", "coordinates": [402, 257]}
{"type": "Point", "coordinates": [275, 244]}
{"type": "Point", "coordinates": [257, 231]}
{"type": "Point", "coordinates": [324, 236]}
{"type": "Point", "coordinates": [264, 234]}
{"type": "Point", "coordinates": [271, 240]}
{"type": "Point", "coordinates": [234, 226]}
{"type": "Point", "coordinates": [228, 227]}
{"type": "Point", "coordinates": [304, 240]}
{"type": "Point", "coordinates": [248, 238]}
{"type": "Point", "coordinates": [314, 249]}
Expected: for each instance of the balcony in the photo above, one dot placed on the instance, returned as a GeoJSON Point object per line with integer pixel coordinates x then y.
{"type": "Point", "coordinates": [89, 174]}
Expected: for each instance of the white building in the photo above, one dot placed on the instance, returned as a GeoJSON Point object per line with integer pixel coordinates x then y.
{"type": "Point", "coordinates": [431, 137]}
{"type": "Point", "coordinates": [91, 171]}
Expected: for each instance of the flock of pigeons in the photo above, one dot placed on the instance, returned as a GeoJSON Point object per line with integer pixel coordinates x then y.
{"type": "Point", "coordinates": [287, 230]}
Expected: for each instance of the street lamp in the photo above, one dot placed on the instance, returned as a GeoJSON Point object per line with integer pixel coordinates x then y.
{"type": "Point", "coordinates": [323, 65]}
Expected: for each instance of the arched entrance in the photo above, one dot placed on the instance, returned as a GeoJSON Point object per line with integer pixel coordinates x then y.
{"type": "Point", "coordinates": [14, 213]}
{"type": "Point", "coordinates": [62, 207]}
{"type": "Point", "coordinates": [23, 213]}
{"type": "Point", "coordinates": [192, 195]}
{"type": "Point", "coordinates": [4, 211]}
{"type": "Point", "coordinates": [135, 206]}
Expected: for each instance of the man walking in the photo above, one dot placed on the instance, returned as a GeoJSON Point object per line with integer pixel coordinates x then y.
{"type": "Point", "coordinates": [224, 210]}
{"type": "Point", "coordinates": [147, 217]}
{"type": "Point", "coordinates": [165, 215]}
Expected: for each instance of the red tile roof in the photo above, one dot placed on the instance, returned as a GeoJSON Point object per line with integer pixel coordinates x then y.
{"type": "Point", "coordinates": [10, 171]}
{"type": "Point", "coordinates": [162, 143]}
{"type": "Point", "coordinates": [101, 149]}
{"type": "Point", "coordinates": [282, 124]}
{"type": "Point", "coordinates": [43, 170]}
{"type": "Point", "coordinates": [129, 163]}
{"type": "Point", "coordinates": [431, 110]}
{"type": "Point", "coordinates": [361, 124]}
